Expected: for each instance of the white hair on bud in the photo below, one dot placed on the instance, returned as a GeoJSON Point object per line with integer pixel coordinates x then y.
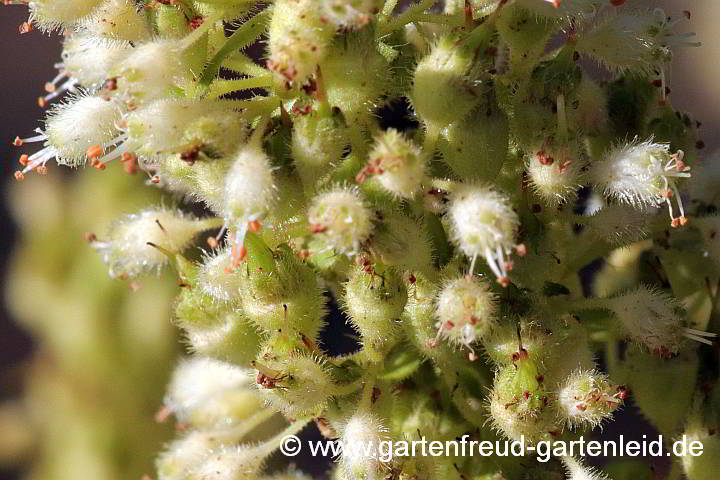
{"type": "Point", "coordinates": [349, 13]}
{"type": "Point", "coordinates": [638, 41]}
{"type": "Point", "coordinates": [618, 224]}
{"type": "Point", "coordinates": [397, 163]}
{"type": "Point", "coordinates": [52, 15]}
{"type": "Point", "coordinates": [172, 126]}
{"type": "Point", "coordinates": [214, 279]}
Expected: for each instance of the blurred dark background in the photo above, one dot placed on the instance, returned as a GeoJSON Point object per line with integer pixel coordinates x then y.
{"type": "Point", "coordinates": [27, 63]}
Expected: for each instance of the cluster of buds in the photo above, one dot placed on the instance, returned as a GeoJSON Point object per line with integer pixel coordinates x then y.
{"type": "Point", "coordinates": [315, 195]}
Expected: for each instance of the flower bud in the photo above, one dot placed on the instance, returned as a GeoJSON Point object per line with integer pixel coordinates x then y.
{"type": "Point", "coordinates": [484, 224]}
{"type": "Point", "coordinates": [397, 164]}
{"type": "Point", "coordinates": [374, 300]}
{"type": "Point", "coordinates": [642, 174]}
{"type": "Point", "coordinates": [187, 127]}
{"type": "Point", "coordinates": [128, 250]}
{"type": "Point", "coordinates": [118, 19]}
{"type": "Point", "coordinates": [519, 404]}
{"type": "Point", "coordinates": [296, 383]}
{"type": "Point", "coordinates": [466, 310]}
{"type": "Point", "coordinates": [318, 143]}
{"type": "Point", "coordinates": [298, 39]}
{"type": "Point", "coordinates": [588, 398]}
{"type": "Point", "coordinates": [577, 471]}
{"type": "Point", "coordinates": [442, 92]}
{"type": "Point", "coordinates": [284, 295]}
{"type": "Point", "coordinates": [477, 145]}
{"type": "Point", "coordinates": [402, 241]}
{"type": "Point", "coordinates": [214, 328]}
{"type": "Point", "coordinates": [356, 76]}
{"type": "Point", "coordinates": [214, 279]}
{"type": "Point", "coordinates": [341, 219]}
{"type": "Point", "coordinates": [88, 59]}
{"type": "Point", "coordinates": [650, 318]}
{"type": "Point", "coordinates": [555, 175]}
{"type": "Point", "coordinates": [153, 70]}
{"type": "Point", "coordinates": [632, 41]}
{"type": "Point", "coordinates": [203, 180]}
{"type": "Point", "coordinates": [362, 437]}
{"type": "Point", "coordinates": [210, 394]}
{"type": "Point", "coordinates": [52, 15]}
{"type": "Point", "coordinates": [250, 190]}
{"type": "Point", "coordinates": [349, 14]}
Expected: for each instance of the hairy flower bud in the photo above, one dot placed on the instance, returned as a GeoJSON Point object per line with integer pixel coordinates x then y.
{"type": "Point", "coordinates": [318, 143]}
{"type": "Point", "coordinates": [153, 70]}
{"type": "Point", "coordinates": [294, 382]}
{"type": "Point", "coordinates": [441, 91]}
{"type": "Point", "coordinates": [187, 127]}
{"type": "Point", "coordinates": [341, 218]}
{"type": "Point", "coordinates": [466, 310]}
{"type": "Point", "coordinates": [118, 19]}
{"type": "Point", "coordinates": [362, 436]}
{"type": "Point", "coordinates": [374, 300]}
{"type": "Point", "coordinates": [298, 39]}
{"type": "Point", "coordinates": [87, 60]}
{"type": "Point", "coordinates": [555, 175]}
{"type": "Point", "coordinates": [53, 15]}
{"type": "Point", "coordinates": [632, 41]}
{"type": "Point", "coordinates": [397, 164]}
{"type": "Point", "coordinates": [588, 398]}
{"type": "Point", "coordinates": [208, 394]}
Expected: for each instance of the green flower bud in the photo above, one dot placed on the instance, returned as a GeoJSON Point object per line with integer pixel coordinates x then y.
{"type": "Point", "coordinates": [397, 164]}
{"type": "Point", "coordinates": [284, 296]}
{"type": "Point", "coordinates": [476, 146]}
{"type": "Point", "coordinates": [374, 300]}
{"type": "Point", "coordinates": [118, 19]}
{"type": "Point", "coordinates": [318, 143]}
{"type": "Point", "coordinates": [295, 382]}
{"type": "Point", "coordinates": [442, 90]}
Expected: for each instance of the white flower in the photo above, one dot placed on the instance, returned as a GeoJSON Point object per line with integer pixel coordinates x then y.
{"type": "Point", "coordinates": [117, 19]}
{"type": "Point", "coordinates": [588, 397]}
{"type": "Point", "coordinates": [484, 224]}
{"type": "Point", "coordinates": [130, 248]}
{"type": "Point", "coordinates": [397, 164]}
{"type": "Point", "coordinates": [466, 310]}
{"type": "Point", "coordinates": [73, 131]}
{"type": "Point", "coordinates": [341, 218]}
{"type": "Point", "coordinates": [642, 174]}
{"type": "Point", "coordinates": [361, 447]}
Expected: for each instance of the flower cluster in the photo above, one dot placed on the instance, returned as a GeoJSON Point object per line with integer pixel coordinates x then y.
{"type": "Point", "coordinates": [510, 151]}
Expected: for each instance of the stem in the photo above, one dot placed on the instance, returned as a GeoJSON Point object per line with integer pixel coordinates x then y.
{"type": "Point", "coordinates": [209, 23]}
{"type": "Point", "coordinates": [218, 88]}
{"type": "Point", "coordinates": [241, 63]}
{"type": "Point", "coordinates": [241, 38]}
{"type": "Point", "coordinates": [412, 14]}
